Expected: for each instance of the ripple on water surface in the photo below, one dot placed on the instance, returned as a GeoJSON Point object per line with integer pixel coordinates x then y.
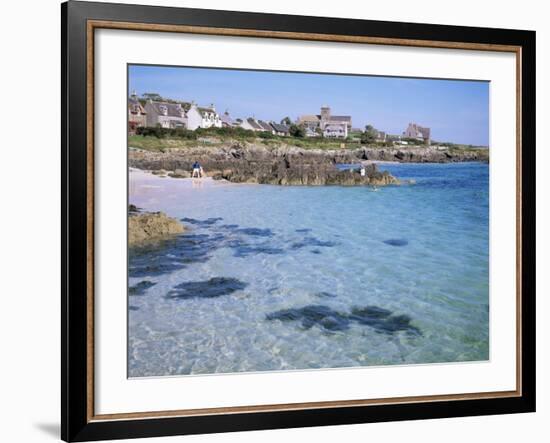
{"type": "Point", "coordinates": [277, 278]}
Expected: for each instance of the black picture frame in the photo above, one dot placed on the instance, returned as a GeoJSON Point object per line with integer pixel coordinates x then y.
{"type": "Point", "coordinates": [76, 424]}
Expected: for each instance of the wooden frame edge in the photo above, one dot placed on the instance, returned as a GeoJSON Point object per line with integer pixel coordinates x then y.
{"type": "Point", "coordinates": [90, 205]}
{"type": "Point", "coordinates": [338, 38]}
{"type": "Point", "coordinates": [303, 406]}
{"type": "Point", "coordinates": [92, 25]}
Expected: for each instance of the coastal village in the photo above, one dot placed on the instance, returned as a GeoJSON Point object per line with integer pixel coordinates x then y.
{"type": "Point", "coordinates": [153, 111]}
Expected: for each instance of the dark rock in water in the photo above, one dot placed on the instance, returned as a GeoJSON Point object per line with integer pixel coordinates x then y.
{"type": "Point", "coordinates": [207, 222]}
{"type": "Point", "coordinates": [396, 242]}
{"type": "Point", "coordinates": [315, 251]}
{"type": "Point", "coordinates": [215, 287]}
{"type": "Point", "coordinates": [313, 315]}
{"type": "Point", "coordinates": [312, 241]}
{"type": "Point", "coordinates": [244, 250]}
{"type": "Point", "coordinates": [171, 255]}
{"type": "Point", "coordinates": [382, 320]}
{"type": "Point", "coordinates": [157, 266]}
{"type": "Point", "coordinates": [133, 308]}
{"type": "Point", "coordinates": [324, 294]}
{"type": "Point", "coordinates": [303, 231]}
{"type": "Point", "coordinates": [195, 248]}
{"type": "Point", "coordinates": [140, 288]}
{"type": "Point", "coordinates": [371, 312]}
{"type": "Point", "coordinates": [256, 232]}
{"type": "Point", "coordinates": [133, 209]}
{"type": "Point", "coordinates": [229, 226]}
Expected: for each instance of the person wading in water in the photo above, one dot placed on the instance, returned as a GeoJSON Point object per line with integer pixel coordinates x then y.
{"type": "Point", "coordinates": [197, 170]}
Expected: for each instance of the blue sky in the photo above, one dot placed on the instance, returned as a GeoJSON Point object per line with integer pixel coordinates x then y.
{"type": "Point", "coordinates": [456, 111]}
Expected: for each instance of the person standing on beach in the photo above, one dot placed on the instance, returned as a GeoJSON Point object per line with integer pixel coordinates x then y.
{"type": "Point", "coordinates": [196, 170]}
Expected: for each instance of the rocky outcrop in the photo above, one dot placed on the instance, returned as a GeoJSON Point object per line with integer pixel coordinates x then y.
{"type": "Point", "coordinates": [151, 226]}
{"type": "Point", "coordinates": [225, 157]}
{"type": "Point", "coordinates": [259, 164]}
{"type": "Point", "coordinates": [424, 154]}
{"type": "Point", "coordinates": [304, 173]}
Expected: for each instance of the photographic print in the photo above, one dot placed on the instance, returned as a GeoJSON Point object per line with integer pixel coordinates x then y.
{"type": "Point", "coordinates": [296, 221]}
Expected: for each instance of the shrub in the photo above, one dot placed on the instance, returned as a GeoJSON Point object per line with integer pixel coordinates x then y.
{"type": "Point", "coordinates": [297, 131]}
{"type": "Point", "coordinates": [369, 135]}
{"type": "Point", "coordinates": [266, 135]}
{"type": "Point", "coordinates": [226, 131]}
{"type": "Point", "coordinates": [157, 132]}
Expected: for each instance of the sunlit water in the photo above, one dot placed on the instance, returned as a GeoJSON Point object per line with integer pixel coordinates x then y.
{"type": "Point", "coordinates": [312, 277]}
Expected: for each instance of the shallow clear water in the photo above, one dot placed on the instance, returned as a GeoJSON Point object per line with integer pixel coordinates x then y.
{"type": "Point", "coordinates": [312, 277]}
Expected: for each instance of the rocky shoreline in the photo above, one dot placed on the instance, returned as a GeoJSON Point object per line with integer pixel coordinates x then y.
{"type": "Point", "coordinates": [288, 165]}
{"type": "Point", "coordinates": [258, 164]}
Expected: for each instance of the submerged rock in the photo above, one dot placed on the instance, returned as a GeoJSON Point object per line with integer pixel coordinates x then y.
{"type": "Point", "coordinates": [312, 315]}
{"type": "Point", "coordinates": [151, 226]}
{"type": "Point", "coordinates": [140, 288]}
{"type": "Point", "coordinates": [396, 242]}
{"type": "Point", "coordinates": [383, 321]}
{"type": "Point", "coordinates": [168, 255]}
{"type": "Point", "coordinates": [208, 222]}
{"type": "Point", "coordinates": [215, 287]}
{"type": "Point", "coordinates": [242, 248]}
{"type": "Point", "coordinates": [324, 294]}
{"type": "Point", "coordinates": [312, 241]}
{"type": "Point", "coordinates": [380, 319]}
{"type": "Point", "coordinates": [256, 232]}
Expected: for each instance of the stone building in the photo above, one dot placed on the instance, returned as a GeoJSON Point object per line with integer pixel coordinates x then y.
{"type": "Point", "coordinates": [165, 114]}
{"type": "Point", "coordinates": [136, 114]}
{"type": "Point", "coordinates": [417, 132]}
{"type": "Point", "coordinates": [336, 124]}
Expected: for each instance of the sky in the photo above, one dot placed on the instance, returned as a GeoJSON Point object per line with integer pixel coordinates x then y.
{"type": "Point", "coordinates": [455, 110]}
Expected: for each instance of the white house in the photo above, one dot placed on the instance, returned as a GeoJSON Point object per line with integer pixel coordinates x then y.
{"type": "Point", "coordinates": [199, 117]}
{"type": "Point", "coordinates": [251, 124]}
{"type": "Point", "coordinates": [338, 130]}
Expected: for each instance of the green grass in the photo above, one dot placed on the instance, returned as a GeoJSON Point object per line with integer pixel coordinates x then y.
{"type": "Point", "coordinates": [152, 143]}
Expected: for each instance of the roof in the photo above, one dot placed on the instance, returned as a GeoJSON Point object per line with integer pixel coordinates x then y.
{"type": "Point", "coordinates": [343, 118]}
{"type": "Point", "coordinates": [254, 124]}
{"type": "Point", "coordinates": [204, 110]}
{"type": "Point", "coordinates": [265, 126]}
{"type": "Point", "coordinates": [225, 118]}
{"type": "Point", "coordinates": [309, 118]}
{"type": "Point", "coordinates": [172, 109]}
{"type": "Point", "coordinates": [280, 127]}
{"type": "Point", "coordinates": [135, 106]}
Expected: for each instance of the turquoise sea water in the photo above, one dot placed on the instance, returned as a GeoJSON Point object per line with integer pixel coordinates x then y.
{"type": "Point", "coordinates": [275, 278]}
